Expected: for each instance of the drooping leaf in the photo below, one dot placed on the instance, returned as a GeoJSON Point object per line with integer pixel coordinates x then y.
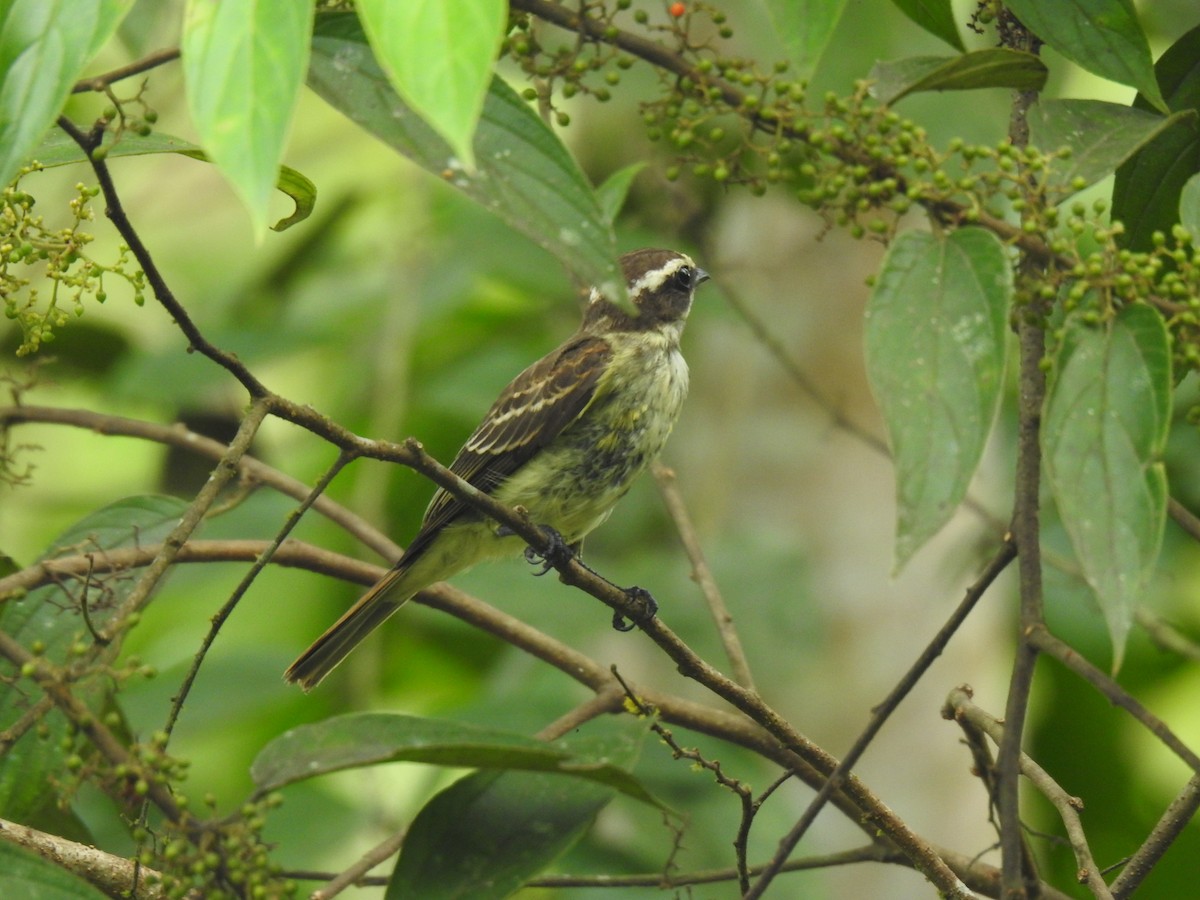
{"type": "Point", "coordinates": [26, 876]}
{"type": "Point", "coordinates": [936, 17]}
{"type": "Point", "coordinates": [1189, 206]}
{"type": "Point", "coordinates": [1102, 36]}
{"type": "Point", "coordinates": [438, 56]}
{"type": "Point", "coordinates": [44, 46]}
{"type": "Point", "coordinates": [490, 832]}
{"type": "Point", "coordinates": [935, 358]}
{"type": "Point", "coordinates": [1147, 187]}
{"type": "Point", "coordinates": [612, 193]}
{"type": "Point", "coordinates": [524, 174]}
{"type": "Point", "coordinates": [995, 67]}
{"type": "Point", "coordinates": [806, 27]}
{"type": "Point", "coordinates": [57, 149]}
{"type": "Point", "coordinates": [1100, 136]}
{"type": "Point", "coordinates": [53, 616]}
{"type": "Point", "coordinates": [1105, 426]}
{"type": "Point", "coordinates": [244, 64]}
{"type": "Point", "coordinates": [364, 739]}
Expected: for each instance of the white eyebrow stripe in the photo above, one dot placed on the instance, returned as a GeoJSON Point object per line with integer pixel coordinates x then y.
{"type": "Point", "coordinates": [656, 278]}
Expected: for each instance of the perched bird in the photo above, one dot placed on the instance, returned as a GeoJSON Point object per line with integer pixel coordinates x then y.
{"type": "Point", "coordinates": [564, 440]}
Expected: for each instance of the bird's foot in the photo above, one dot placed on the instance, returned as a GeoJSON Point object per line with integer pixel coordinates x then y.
{"type": "Point", "coordinates": [642, 605]}
{"type": "Point", "coordinates": [557, 551]}
{"type": "Point", "coordinates": [636, 596]}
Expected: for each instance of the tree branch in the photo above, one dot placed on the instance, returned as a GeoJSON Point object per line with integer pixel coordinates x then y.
{"type": "Point", "coordinates": [959, 708]}
{"type": "Point", "coordinates": [145, 64]}
{"type": "Point", "coordinates": [114, 875]}
{"type": "Point", "coordinates": [1169, 827]}
{"type": "Point", "coordinates": [178, 435]}
{"type": "Point", "coordinates": [882, 712]}
{"type": "Point", "coordinates": [702, 574]}
{"type": "Point", "coordinates": [1019, 878]}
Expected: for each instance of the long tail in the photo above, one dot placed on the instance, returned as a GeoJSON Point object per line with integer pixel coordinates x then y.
{"type": "Point", "coordinates": [388, 595]}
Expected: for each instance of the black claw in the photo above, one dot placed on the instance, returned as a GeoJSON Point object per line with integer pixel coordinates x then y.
{"type": "Point", "coordinates": [636, 595]}
{"type": "Point", "coordinates": [557, 553]}
{"type": "Point", "coordinates": [619, 623]}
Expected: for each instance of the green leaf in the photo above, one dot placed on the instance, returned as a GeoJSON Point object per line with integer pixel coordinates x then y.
{"type": "Point", "coordinates": [44, 45]}
{"type": "Point", "coordinates": [936, 17]}
{"type": "Point", "coordinates": [1189, 206]}
{"type": "Point", "coordinates": [1147, 187]}
{"type": "Point", "coordinates": [26, 876]}
{"type": "Point", "coordinates": [487, 834]}
{"type": "Point", "coordinates": [611, 195]}
{"type": "Point", "coordinates": [1102, 36]}
{"type": "Point", "coordinates": [244, 64]}
{"type": "Point", "coordinates": [997, 67]}
{"type": "Point", "coordinates": [52, 615]}
{"type": "Point", "coordinates": [57, 149]}
{"type": "Point", "coordinates": [366, 739]}
{"type": "Point", "coordinates": [524, 173]}
{"type": "Point", "coordinates": [935, 330]}
{"type": "Point", "coordinates": [806, 27]}
{"type": "Point", "coordinates": [1100, 136]}
{"type": "Point", "coordinates": [438, 56]}
{"type": "Point", "coordinates": [1105, 426]}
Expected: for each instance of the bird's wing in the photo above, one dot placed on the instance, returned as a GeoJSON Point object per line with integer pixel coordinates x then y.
{"type": "Point", "coordinates": [529, 414]}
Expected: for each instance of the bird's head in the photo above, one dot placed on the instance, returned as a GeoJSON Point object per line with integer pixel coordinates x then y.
{"type": "Point", "coordinates": [660, 284]}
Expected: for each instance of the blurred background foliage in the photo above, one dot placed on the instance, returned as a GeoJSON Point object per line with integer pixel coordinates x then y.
{"type": "Point", "coordinates": [399, 309]}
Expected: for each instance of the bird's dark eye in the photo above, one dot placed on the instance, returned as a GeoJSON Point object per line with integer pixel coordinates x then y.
{"type": "Point", "coordinates": [683, 278]}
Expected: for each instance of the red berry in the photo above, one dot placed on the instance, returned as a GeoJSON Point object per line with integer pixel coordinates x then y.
{"type": "Point", "coordinates": [677, 9]}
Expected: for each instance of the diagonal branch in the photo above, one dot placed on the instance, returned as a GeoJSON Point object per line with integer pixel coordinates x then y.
{"type": "Point", "coordinates": [960, 708]}
{"type": "Point", "coordinates": [881, 713]}
{"type": "Point", "coordinates": [702, 574]}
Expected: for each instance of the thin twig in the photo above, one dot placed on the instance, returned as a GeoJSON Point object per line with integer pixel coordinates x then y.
{"type": "Point", "coordinates": [1184, 518]}
{"type": "Point", "coordinates": [737, 787]}
{"type": "Point", "coordinates": [221, 476]}
{"type": "Point", "coordinates": [881, 713]}
{"type": "Point", "coordinates": [353, 875]}
{"type": "Point", "coordinates": [1047, 643]}
{"type": "Point", "coordinates": [1168, 828]}
{"type": "Point", "coordinates": [137, 67]}
{"type": "Point", "coordinates": [702, 574]}
{"type": "Point", "coordinates": [222, 615]}
{"type": "Point", "coordinates": [958, 707]}
{"type": "Point", "coordinates": [604, 702]}
{"type": "Point", "coordinates": [1165, 635]}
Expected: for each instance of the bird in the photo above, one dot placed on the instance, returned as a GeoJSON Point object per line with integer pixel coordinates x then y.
{"type": "Point", "coordinates": [565, 440]}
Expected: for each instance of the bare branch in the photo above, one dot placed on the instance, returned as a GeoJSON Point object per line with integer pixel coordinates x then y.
{"type": "Point", "coordinates": [958, 707]}
{"type": "Point", "coordinates": [882, 712]}
{"type": "Point", "coordinates": [260, 563]}
{"type": "Point", "coordinates": [114, 875]}
{"type": "Point", "coordinates": [1047, 643]}
{"type": "Point", "coordinates": [1169, 826]}
{"type": "Point", "coordinates": [137, 67]}
{"type": "Point", "coordinates": [702, 574]}
{"type": "Point", "coordinates": [179, 436]}
{"type": "Point", "coordinates": [1019, 877]}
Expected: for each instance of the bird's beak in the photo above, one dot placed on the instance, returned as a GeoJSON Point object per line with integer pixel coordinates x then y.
{"type": "Point", "coordinates": [701, 276]}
